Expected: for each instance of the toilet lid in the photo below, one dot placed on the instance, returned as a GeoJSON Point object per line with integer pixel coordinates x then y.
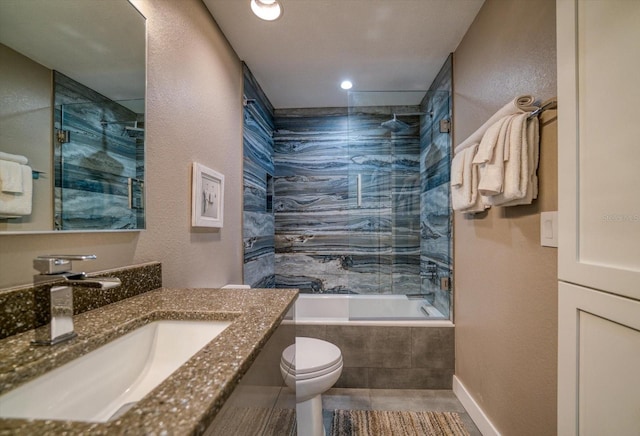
{"type": "Point", "coordinates": [312, 355]}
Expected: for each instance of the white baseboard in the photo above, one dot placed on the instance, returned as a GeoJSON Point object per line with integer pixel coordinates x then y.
{"type": "Point", "coordinates": [473, 409]}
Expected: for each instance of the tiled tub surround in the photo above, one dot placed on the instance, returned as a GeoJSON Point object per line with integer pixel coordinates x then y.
{"type": "Point", "coordinates": [187, 401]}
{"type": "Point", "coordinates": [380, 353]}
{"type": "Point", "coordinates": [325, 243]}
{"type": "Point", "coordinates": [258, 221]}
{"type": "Point", "coordinates": [27, 307]}
{"type": "Point", "coordinates": [387, 357]}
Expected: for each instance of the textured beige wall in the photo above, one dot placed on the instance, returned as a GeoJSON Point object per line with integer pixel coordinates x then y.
{"type": "Point", "coordinates": [194, 113]}
{"type": "Point", "coordinates": [505, 282]}
{"type": "Point", "coordinates": [25, 129]}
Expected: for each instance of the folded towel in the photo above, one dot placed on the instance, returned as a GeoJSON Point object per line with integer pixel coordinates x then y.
{"type": "Point", "coordinates": [517, 168]}
{"type": "Point", "coordinates": [492, 172]}
{"type": "Point", "coordinates": [14, 158]}
{"type": "Point", "coordinates": [10, 176]}
{"type": "Point", "coordinates": [489, 141]}
{"type": "Point", "coordinates": [523, 103]}
{"type": "Point", "coordinates": [457, 168]}
{"type": "Point", "coordinates": [533, 143]}
{"type": "Point", "coordinates": [18, 204]}
{"type": "Point", "coordinates": [464, 196]}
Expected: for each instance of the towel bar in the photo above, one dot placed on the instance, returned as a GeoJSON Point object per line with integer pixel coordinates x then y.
{"type": "Point", "coordinates": [552, 103]}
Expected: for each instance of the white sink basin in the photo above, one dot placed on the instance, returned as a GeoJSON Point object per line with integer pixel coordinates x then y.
{"type": "Point", "coordinates": [107, 381]}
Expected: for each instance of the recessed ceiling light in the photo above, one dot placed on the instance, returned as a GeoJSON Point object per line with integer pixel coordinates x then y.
{"type": "Point", "coordinates": [346, 84]}
{"type": "Point", "coordinates": [267, 10]}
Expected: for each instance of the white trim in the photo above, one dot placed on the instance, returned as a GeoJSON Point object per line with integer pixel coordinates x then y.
{"type": "Point", "coordinates": [479, 418]}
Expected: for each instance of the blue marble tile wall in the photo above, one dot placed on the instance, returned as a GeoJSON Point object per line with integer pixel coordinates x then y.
{"type": "Point", "coordinates": [258, 219]}
{"type": "Point", "coordinates": [93, 168]}
{"type": "Point", "coordinates": [435, 214]}
{"type": "Point", "coordinates": [325, 241]}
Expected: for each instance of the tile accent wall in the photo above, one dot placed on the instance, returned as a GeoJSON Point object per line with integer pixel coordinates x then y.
{"type": "Point", "coordinates": [315, 237]}
{"type": "Point", "coordinates": [435, 213]}
{"type": "Point", "coordinates": [258, 220]}
{"type": "Point", "coordinates": [96, 163]}
{"type": "Point", "coordinates": [325, 242]}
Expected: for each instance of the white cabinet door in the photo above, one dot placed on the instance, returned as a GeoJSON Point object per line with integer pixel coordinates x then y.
{"type": "Point", "coordinates": [599, 144]}
{"type": "Point", "coordinates": [598, 363]}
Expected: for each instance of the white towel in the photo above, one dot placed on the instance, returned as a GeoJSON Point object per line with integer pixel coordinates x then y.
{"type": "Point", "coordinates": [516, 166]}
{"type": "Point", "coordinates": [492, 172]}
{"type": "Point", "coordinates": [533, 143]}
{"type": "Point", "coordinates": [18, 204]}
{"type": "Point", "coordinates": [10, 177]}
{"type": "Point", "coordinates": [489, 141]}
{"type": "Point", "coordinates": [14, 158]}
{"type": "Point", "coordinates": [457, 168]}
{"type": "Point", "coordinates": [523, 103]}
{"type": "Point", "coordinates": [464, 196]}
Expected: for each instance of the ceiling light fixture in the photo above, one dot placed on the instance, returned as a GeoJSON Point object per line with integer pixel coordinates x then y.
{"type": "Point", "coordinates": [346, 84]}
{"type": "Point", "coordinates": [267, 10]}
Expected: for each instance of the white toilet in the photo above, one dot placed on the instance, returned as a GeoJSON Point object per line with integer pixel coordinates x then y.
{"type": "Point", "coordinates": [310, 367]}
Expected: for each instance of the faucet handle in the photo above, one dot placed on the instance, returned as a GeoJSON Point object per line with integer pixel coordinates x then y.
{"type": "Point", "coordinates": [58, 263]}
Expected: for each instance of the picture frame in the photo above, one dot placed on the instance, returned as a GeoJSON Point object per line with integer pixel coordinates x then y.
{"type": "Point", "coordinates": [207, 200]}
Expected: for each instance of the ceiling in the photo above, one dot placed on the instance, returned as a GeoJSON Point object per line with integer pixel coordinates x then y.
{"type": "Point", "coordinates": [380, 45]}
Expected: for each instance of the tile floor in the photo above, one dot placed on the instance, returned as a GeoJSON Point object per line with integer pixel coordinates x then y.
{"type": "Point", "coordinates": [395, 399]}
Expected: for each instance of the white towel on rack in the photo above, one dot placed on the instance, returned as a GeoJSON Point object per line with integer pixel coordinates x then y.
{"type": "Point", "coordinates": [533, 143]}
{"type": "Point", "coordinates": [465, 195]}
{"type": "Point", "coordinates": [518, 166]}
{"type": "Point", "coordinates": [489, 141]}
{"type": "Point", "coordinates": [491, 172]}
{"type": "Point", "coordinates": [18, 204]}
{"type": "Point", "coordinates": [457, 169]}
{"type": "Point", "coordinates": [523, 103]}
{"type": "Point", "coordinates": [10, 177]}
{"type": "Point", "coordinates": [22, 160]}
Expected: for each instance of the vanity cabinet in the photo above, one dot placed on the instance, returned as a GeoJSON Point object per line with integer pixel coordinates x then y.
{"type": "Point", "coordinates": [599, 233]}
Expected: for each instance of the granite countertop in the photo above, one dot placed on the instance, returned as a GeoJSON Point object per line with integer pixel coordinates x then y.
{"type": "Point", "coordinates": [187, 401]}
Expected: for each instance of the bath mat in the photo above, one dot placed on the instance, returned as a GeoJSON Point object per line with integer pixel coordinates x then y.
{"type": "Point", "coordinates": [396, 423]}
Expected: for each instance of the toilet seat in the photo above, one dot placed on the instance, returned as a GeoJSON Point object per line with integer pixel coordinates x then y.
{"type": "Point", "coordinates": [315, 358]}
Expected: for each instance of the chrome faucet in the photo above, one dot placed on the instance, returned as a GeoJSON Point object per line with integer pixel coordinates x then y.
{"type": "Point", "coordinates": [54, 268]}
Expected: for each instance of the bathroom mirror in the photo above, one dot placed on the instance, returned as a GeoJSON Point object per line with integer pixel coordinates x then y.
{"type": "Point", "coordinates": [72, 86]}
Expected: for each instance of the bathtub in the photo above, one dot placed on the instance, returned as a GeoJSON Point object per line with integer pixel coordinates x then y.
{"type": "Point", "coordinates": [387, 342]}
{"type": "Point", "coordinates": [372, 310]}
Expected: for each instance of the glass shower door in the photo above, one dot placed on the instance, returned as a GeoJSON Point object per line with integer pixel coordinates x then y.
{"type": "Point", "coordinates": [384, 152]}
{"type": "Point", "coordinates": [98, 166]}
{"type": "Point", "coordinates": [399, 214]}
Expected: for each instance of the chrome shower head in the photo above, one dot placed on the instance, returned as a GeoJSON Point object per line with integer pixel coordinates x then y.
{"type": "Point", "coordinates": [395, 125]}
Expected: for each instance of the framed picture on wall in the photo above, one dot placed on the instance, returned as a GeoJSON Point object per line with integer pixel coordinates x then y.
{"type": "Point", "coordinates": [207, 201]}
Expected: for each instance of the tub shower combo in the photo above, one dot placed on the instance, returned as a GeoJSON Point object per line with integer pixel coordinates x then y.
{"type": "Point", "coordinates": [359, 205]}
{"type": "Point", "coordinates": [351, 206]}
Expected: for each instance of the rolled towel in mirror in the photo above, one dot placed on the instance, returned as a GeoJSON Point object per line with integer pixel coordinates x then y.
{"type": "Point", "coordinates": [22, 160]}
{"type": "Point", "coordinates": [11, 177]}
{"type": "Point", "coordinates": [18, 204]}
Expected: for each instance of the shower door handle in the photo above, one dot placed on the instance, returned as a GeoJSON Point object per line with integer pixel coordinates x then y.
{"type": "Point", "coordinates": [359, 190]}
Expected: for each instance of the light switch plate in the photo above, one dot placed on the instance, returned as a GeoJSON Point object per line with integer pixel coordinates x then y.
{"type": "Point", "coordinates": [549, 229]}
